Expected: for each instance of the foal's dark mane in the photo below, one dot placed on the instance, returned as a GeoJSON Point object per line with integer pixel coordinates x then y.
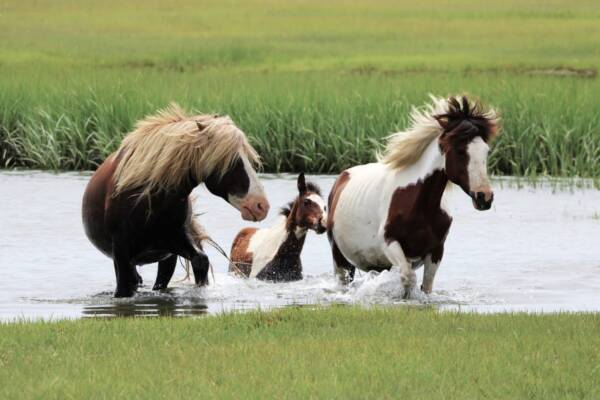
{"type": "Point", "coordinates": [466, 120]}
{"type": "Point", "coordinates": [311, 187]}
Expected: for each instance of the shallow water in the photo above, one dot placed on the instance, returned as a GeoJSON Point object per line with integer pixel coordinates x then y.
{"type": "Point", "coordinates": [537, 249]}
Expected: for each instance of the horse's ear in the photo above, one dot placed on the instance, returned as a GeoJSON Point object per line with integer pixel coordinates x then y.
{"type": "Point", "coordinates": [200, 126]}
{"type": "Point", "coordinates": [443, 121]}
{"type": "Point", "coordinates": [301, 183]}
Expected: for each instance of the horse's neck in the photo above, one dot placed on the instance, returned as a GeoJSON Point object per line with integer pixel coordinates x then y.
{"type": "Point", "coordinates": [428, 174]}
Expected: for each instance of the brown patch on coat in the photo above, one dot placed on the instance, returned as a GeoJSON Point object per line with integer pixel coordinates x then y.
{"type": "Point", "coordinates": [415, 219]}
{"type": "Point", "coordinates": [241, 259]}
{"type": "Point", "coordinates": [96, 200]}
{"type": "Point", "coordinates": [334, 197]}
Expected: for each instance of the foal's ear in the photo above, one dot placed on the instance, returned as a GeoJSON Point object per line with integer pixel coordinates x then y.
{"type": "Point", "coordinates": [301, 183]}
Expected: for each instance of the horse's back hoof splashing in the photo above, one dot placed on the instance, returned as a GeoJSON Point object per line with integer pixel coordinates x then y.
{"type": "Point", "coordinates": [390, 213]}
{"type": "Point", "coordinates": [137, 208]}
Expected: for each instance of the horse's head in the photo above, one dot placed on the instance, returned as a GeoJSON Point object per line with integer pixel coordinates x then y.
{"type": "Point", "coordinates": [467, 130]}
{"type": "Point", "coordinates": [240, 187]}
{"type": "Point", "coordinates": [309, 209]}
{"type": "Point", "coordinates": [237, 182]}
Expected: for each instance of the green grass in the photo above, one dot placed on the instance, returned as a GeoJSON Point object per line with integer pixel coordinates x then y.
{"type": "Point", "coordinates": [316, 85]}
{"type": "Point", "coordinates": [337, 352]}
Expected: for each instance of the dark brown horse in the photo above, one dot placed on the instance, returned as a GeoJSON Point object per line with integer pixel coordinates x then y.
{"type": "Point", "coordinates": [136, 207]}
{"type": "Point", "coordinates": [273, 253]}
{"type": "Point", "coordinates": [390, 213]}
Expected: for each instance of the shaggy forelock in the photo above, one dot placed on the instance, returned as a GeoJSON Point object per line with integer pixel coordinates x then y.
{"type": "Point", "coordinates": [163, 149]}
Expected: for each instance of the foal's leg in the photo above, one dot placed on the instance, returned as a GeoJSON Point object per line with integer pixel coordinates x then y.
{"type": "Point", "coordinates": [198, 258]}
{"type": "Point", "coordinates": [429, 274]}
{"type": "Point", "coordinates": [166, 268]}
{"type": "Point", "coordinates": [393, 251]}
{"type": "Point", "coordinates": [124, 270]}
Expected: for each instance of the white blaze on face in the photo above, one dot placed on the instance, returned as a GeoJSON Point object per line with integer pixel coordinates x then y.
{"type": "Point", "coordinates": [478, 153]}
{"type": "Point", "coordinates": [318, 200]}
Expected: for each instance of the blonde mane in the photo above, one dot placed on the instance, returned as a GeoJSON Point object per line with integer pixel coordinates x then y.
{"type": "Point", "coordinates": [164, 148]}
{"type": "Point", "coordinates": [405, 148]}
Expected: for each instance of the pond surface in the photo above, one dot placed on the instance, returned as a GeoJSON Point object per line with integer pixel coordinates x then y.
{"type": "Point", "coordinates": [537, 249]}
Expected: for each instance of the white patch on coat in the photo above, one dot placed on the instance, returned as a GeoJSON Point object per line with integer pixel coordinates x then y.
{"type": "Point", "coordinates": [315, 198]}
{"type": "Point", "coordinates": [265, 243]}
{"type": "Point", "coordinates": [477, 168]}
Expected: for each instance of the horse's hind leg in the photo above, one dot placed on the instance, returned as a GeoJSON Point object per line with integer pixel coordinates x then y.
{"type": "Point", "coordinates": [166, 268]}
{"type": "Point", "coordinates": [198, 258]}
{"type": "Point", "coordinates": [139, 279]}
{"type": "Point", "coordinates": [125, 271]}
{"type": "Point", "coordinates": [342, 268]}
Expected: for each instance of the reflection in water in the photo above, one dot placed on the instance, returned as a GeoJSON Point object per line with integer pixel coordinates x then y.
{"type": "Point", "coordinates": [148, 306]}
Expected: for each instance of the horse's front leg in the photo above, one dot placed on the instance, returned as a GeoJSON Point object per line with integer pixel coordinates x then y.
{"type": "Point", "coordinates": [125, 272]}
{"type": "Point", "coordinates": [393, 251]}
{"type": "Point", "coordinates": [429, 271]}
{"type": "Point", "coordinates": [198, 258]}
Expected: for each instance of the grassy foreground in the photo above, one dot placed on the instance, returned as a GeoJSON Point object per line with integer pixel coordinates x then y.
{"type": "Point", "coordinates": [316, 85]}
{"type": "Point", "coordinates": [337, 352]}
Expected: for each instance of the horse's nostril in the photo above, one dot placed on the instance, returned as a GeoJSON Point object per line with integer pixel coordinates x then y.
{"type": "Point", "coordinates": [260, 205]}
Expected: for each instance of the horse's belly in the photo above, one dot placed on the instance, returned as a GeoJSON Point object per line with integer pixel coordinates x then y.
{"type": "Point", "coordinates": [359, 240]}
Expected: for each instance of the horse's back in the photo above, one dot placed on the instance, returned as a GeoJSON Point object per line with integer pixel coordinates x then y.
{"type": "Point", "coordinates": [241, 258]}
{"type": "Point", "coordinates": [97, 192]}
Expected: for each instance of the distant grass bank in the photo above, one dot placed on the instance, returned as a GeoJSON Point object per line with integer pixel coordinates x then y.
{"type": "Point", "coordinates": [337, 352]}
{"type": "Point", "coordinates": [316, 85]}
{"type": "Point", "coordinates": [320, 122]}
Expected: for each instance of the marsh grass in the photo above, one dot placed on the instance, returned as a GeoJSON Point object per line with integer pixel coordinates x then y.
{"type": "Point", "coordinates": [317, 122]}
{"type": "Point", "coordinates": [317, 86]}
{"type": "Point", "coordinates": [338, 352]}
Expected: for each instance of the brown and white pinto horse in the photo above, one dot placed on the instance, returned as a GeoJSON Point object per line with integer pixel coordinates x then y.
{"type": "Point", "coordinates": [390, 213]}
{"type": "Point", "coordinates": [136, 206]}
{"type": "Point", "coordinates": [273, 253]}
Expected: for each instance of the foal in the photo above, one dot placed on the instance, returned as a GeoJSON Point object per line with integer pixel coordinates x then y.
{"type": "Point", "coordinates": [273, 253]}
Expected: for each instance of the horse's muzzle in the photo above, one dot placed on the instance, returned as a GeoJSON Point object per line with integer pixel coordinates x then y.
{"type": "Point", "coordinates": [482, 200]}
{"type": "Point", "coordinates": [254, 208]}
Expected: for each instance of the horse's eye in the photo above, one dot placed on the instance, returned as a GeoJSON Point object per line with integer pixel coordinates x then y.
{"type": "Point", "coordinates": [306, 202]}
{"type": "Point", "coordinates": [324, 208]}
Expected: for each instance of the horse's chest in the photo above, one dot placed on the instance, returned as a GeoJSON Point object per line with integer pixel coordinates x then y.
{"type": "Point", "coordinates": [418, 234]}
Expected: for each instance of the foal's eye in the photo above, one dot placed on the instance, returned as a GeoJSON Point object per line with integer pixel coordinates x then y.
{"type": "Point", "coordinates": [306, 202]}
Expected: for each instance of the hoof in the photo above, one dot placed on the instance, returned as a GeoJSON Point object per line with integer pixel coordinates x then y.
{"type": "Point", "coordinates": [128, 292]}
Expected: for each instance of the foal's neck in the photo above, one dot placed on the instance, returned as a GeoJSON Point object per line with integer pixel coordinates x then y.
{"type": "Point", "coordinates": [295, 235]}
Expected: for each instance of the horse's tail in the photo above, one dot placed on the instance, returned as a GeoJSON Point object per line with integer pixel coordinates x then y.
{"type": "Point", "coordinates": [199, 237]}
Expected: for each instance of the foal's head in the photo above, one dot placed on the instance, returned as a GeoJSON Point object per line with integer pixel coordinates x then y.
{"type": "Point", "coordinates": [467, 130]}
{"type": "Point", "coordinates": [308, 210]}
